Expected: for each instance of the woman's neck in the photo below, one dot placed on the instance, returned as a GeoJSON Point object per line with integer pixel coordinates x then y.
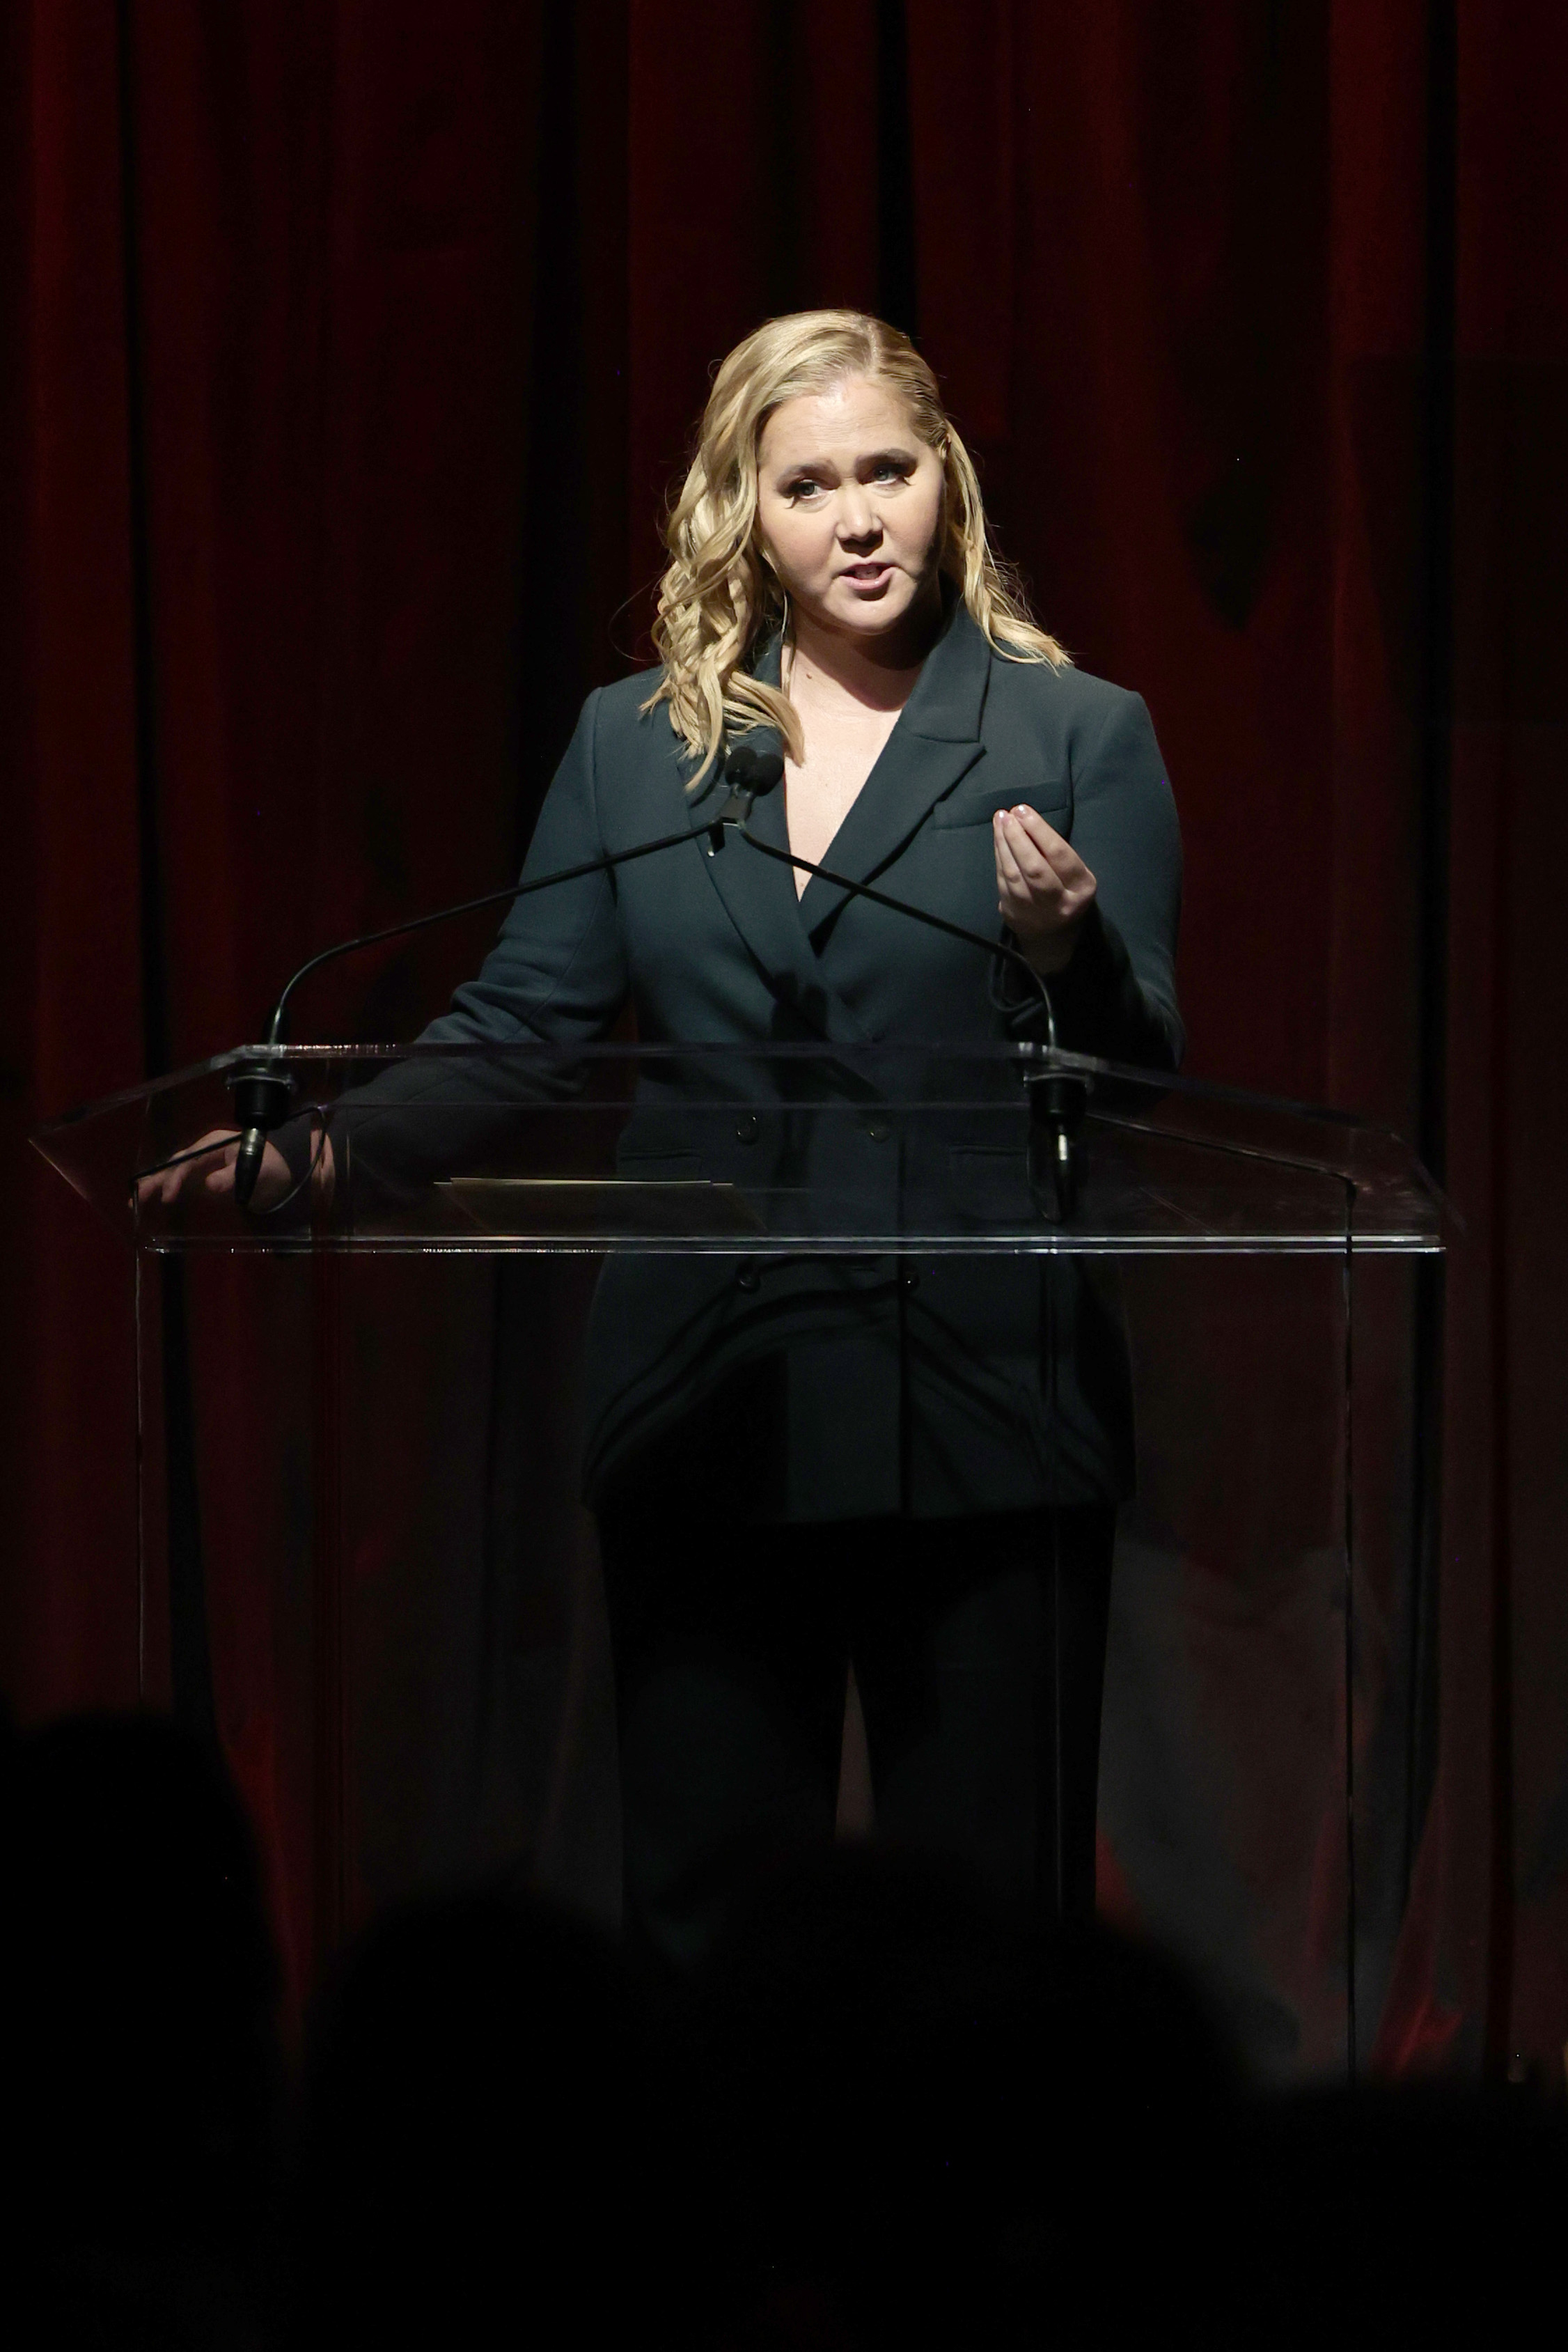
{"type": "Point", "coordinates": [877, 672]}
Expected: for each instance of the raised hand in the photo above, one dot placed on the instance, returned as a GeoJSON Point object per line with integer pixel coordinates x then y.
{"type": "Point", "coordinates": [1044, 888]}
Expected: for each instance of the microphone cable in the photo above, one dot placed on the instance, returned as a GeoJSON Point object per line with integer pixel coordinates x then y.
{"type": "Point", "coordinates": [263, 1094]}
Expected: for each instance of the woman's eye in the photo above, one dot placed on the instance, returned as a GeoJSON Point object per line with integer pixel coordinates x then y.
{"type": "Point", "coordinates": [802, 490]}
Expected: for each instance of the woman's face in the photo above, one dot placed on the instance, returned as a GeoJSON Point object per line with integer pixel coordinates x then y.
{"type": "Point", "coordinates": [849, 505]}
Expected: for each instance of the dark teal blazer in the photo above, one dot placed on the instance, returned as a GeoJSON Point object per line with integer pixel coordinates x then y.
{"type": "Point", "coordinates": [810, 1389]}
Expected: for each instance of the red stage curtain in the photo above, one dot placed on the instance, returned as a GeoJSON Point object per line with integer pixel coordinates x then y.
{"type": "Point", "coordinates": [349, 350]}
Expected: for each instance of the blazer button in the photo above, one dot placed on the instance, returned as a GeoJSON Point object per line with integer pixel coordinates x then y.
{"type": "Point", "coordinates": [877, 1129]}
{"type": "Point", "coordinates": [747, 1129]}
{"type": "Point", "coordinates": [747, 1278]}
{"type": "Point", "coordinates": [910, 1279]}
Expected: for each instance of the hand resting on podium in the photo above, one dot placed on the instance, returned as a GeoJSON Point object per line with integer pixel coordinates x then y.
{"type": "Point", "coordinates": [211, 1159]}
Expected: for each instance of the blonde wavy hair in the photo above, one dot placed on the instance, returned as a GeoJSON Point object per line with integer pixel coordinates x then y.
{"type": "Point", "coordinates": [718, 598]}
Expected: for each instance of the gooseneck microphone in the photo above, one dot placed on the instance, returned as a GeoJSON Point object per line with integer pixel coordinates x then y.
{"type": "Point", "coordinates": [262, 1091]}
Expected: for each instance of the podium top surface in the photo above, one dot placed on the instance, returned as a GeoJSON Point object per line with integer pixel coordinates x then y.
{"type": "Point", "coordinates": [755, 1149]}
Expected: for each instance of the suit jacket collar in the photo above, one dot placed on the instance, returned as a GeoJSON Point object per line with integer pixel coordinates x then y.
{"type": "Point", "coordinates": [950, 697]}
{"type": "Point", "coordinates": [760, 899]}
{"type": "Point", "coordinates": [935, 740]}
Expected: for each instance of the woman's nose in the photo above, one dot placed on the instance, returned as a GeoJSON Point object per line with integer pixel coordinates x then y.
{"type": "Point", "coordinates": [858, 519]}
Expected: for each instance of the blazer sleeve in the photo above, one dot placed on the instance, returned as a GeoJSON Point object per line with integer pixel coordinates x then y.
{"type": "Point", "coordinates": [556, 975]}
{"type": "Point", "coordinates": [1116, 998]}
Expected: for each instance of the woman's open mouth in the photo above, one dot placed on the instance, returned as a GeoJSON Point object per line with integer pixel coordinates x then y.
{"type": "Point", "coordinates": [867, 575]}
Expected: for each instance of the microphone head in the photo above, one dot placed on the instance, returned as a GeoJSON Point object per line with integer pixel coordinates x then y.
{"type": "Point", "coordinates": [750, 771]}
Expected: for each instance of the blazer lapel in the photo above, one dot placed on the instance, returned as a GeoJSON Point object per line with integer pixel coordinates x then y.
{"type": "Point", "coordinates": [935, 742]}
{"type": "Point", "coordinates": [760, 899]}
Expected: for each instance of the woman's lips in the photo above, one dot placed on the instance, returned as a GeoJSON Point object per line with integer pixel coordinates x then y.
{"type": "Point", "coordinates": [866, 576]}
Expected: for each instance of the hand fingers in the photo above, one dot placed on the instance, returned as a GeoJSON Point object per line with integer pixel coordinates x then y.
{"type": "Point", "coordinates": [1018, 902]}
{"type": "Point", "coordinates": [1057, 853]}
{"type": "Point", "coordinates": [1008, 873]}
{"type": "Point", "coordinates": [221, 1179]}
{"type": "Point", "coordinates": [166, 1184]}
{"type": "Point", "coordinates": [1037, 870]}
{"type": "Point", "coordinates": [1023, 863]}
{"type": "Point", "coordinates": [1029, 820]}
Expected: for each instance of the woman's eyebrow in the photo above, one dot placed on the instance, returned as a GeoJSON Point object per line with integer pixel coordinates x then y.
{"type": "Point", "coordinates": [895, 456]}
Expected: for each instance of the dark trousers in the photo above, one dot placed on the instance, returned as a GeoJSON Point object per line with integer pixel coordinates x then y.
{"type": "Point", "coordinates": [979, 1647]}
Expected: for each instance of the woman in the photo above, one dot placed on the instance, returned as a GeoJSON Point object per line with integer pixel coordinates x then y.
{"type": "Point", "coordinates": [811, 1463]}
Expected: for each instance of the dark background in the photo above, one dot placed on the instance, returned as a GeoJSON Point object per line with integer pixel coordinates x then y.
{"type": "Point", "coordinates": [347, 350]}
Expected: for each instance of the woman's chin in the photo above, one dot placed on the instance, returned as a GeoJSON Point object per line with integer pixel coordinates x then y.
{"type": "Point", "coordinates": [872, 612]}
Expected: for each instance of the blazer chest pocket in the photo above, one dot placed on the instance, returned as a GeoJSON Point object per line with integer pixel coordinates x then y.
{"type": "Point", "coordinates": [1051, 798]}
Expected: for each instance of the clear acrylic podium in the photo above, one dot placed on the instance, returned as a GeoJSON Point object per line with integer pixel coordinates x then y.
{"type": "Point", "coordinates": [364, 1563]}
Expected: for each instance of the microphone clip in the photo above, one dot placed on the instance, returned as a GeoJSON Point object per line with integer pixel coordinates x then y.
{"type": "Point", "coordinates": [263, 1096]}
{"type": "Point", "coordinates": [1057, 1101]}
